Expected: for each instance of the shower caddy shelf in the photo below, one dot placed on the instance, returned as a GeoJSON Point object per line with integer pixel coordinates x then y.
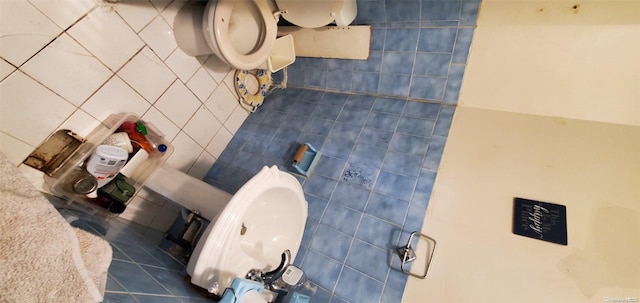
{"type": "Point", "coordinates": [58, 182]}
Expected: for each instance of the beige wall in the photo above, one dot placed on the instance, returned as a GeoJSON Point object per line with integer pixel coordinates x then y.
{"type": "Point", "coordinates": [547, 58]}
{"type": "Point", "coordinates": [549, 110]}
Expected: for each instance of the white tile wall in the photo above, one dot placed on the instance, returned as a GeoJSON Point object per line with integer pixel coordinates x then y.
{"type": "Point", "coordinates": [71, 63]}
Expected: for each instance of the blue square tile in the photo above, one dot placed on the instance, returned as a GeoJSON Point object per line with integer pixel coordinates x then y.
{"type": "Point", "coordinates": [271, 118]}
{"type": "Point", "coordinates": [415, 126]}
{"type": "Point", "coordinates": [360, 101]}
{"type": "Point", "coordinates": [453, 84]}
{"type": "Point", "coordinates": [370, 12]}
{"type": "Point", "coordinates": [395, 185]}
{"type": "Point", "coordinates": [378, 232]}
{"type": "Point", "coordinates": [403, 164]}
{"type": "Point", "coordinates": [136, 253]}
{"type": "Point", "coordinates": [134, 279]}
{"type": "Point", "coordinates": [321, 269]}
{"type": "Point", "coordinates": [331, 242]}
{"type": "Point", "coordinates": [394, 287]}
{"type": "Point", "coordinates": [341, 218]}
{"type": "Point", "coordinates": [403, 10]}
{"type": "Point", "coordinates": [172, 280]}
{"type": "Point", "coordinates": [382, 120]}
{"type": "Point", "coordinates": [397, 63]}
{"type": "Point", "coordinates": [367, 155]}
{"type": "Point", "coordinates": [394, 85]}
{"type": "Point", "coordinates": [351, 196]}
{"type": "Point", "coordinates": [315, 62]}
{"type": "Point", "coordinates": [344, 131]}
{"type": "Point", "coordinates": [365, 82]}
{"type": "Point", "coordinates": [401, 39]}
{"type": "Point", "coordinates": [237, 142]}
{"type": "Point", "coordinates": [335, 299]}
{"type": "Point", "coordinates": [434, 153]}
{"type": "Point", "coordinates": [340, 64]}
{"type": "Point", "coordinates": [372, 64]}
{"type": "Point", "coordinates": [300, 109]}
{"type": "Point", "coordinates": [309, 231]}
{"type": "Point", "coordinates": [375, 137]}
{"type": "Point", "coordinates": [443, 124]}
{"type": "Point", "coordinates": [387, 208]}
{"type": "Point", "coordinates": [469, 13]}
{"type": "Point", "coordinates": [256, 117]}
{"type": "Point", "coordinates": [112, 285]}
{"type": "Point", "coordinates": [428, 88]}
{"type": "Point", "coordinates": [311, 96]}
{"type": "Point", "coordinates": [440, 10]}
{"type": "Point", "coordinates": [389, 105]}
{"type": "Point", "coordinates": [437, 40]}
{"type": "Point", "coordinates": [422, 194]}
{"type": "Point", "coordinates": [355, 116]}
{"type": "Point", "coordinates": [296, 75]}
{"type": "Point", "coordinates": [302, 251]}
{"type": "Point", "coordinates": [330, 167]}
{"type": "Point", "coordinates": [315, 77]}
{"type": "Point", "coordinates": [377, 39]}
{"type": "Point", "coordinates": [422, 110]}
{"type": "Point", "coordinates": [438, 23]}
{"type": "Point", "coordinates": [368, 259]}
{"type": "Point", "coordinates": [277, 151]}
{"type": "Point", "coordinates": [432, 64]}
{"type": "Point", "coordinates": [339, 80]}
{"type": "Point", "coordinates": [118, 298]}
{"type": "Point", "coordinates": [167, 260]}
{"type": "Point", "coordinates": [286, 135]}
{"type": "Point", "coordinates": [320, 186]}
{"type": "Point", "coordinates": [331, 98]}
{"type": "Point", "coordinates": [327, 112]}
{"type": "Point", "coordinates": [414, 145]}
{"type": "Point", "coordinates": [257, 146]}
{"type": "Point", "coordinates": [414, 220]}
{"type": "Point", "coordinates": [337, 147]}
{"type": "Point", "coordinates": [118, 254]}
{"type": "Point", "coordinates": [463, 42]}
{"type": "Point", "coordinates": [318, 126]}
{"type": "Point", "coordinates": [360, 174]}
{"type": "Point", "coordinates": [316, 207]}
{"type": "Point", "coordinates": [357, 287]}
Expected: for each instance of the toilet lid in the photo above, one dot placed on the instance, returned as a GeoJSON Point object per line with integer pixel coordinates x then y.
{"type": "Point", "coordinates": [310, 13]}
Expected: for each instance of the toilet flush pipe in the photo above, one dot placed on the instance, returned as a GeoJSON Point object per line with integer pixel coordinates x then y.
{"type": "Point", "coordinates": [188, 192]}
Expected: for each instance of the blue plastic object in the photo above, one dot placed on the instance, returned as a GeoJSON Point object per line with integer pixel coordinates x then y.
{"type": "Point", "coordinates": [238, 288]}
{"type": "Point", "coordinates": [305, 159]}
{"type": "Point", "coordinates": [299, 298]}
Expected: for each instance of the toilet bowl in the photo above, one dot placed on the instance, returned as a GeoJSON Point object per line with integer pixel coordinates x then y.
{"type": "Point", "coordinates": [241, 33]}
{"type": "Point", "coordinates": [249, 230]}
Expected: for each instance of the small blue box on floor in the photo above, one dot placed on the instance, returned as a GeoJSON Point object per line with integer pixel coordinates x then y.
{"type": "Point", "coordinates": [305, 159]}
{"type": "Point", "coordinates": [299, 298]}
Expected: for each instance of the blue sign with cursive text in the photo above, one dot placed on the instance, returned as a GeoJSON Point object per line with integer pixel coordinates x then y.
{"type": "Point", "coordinates": [540, 220]}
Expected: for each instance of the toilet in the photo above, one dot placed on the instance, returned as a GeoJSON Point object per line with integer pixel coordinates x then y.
{"type": "Point", "coordinates": [249, 230]}
{"type": "Point", "coordinates": [241, 33]}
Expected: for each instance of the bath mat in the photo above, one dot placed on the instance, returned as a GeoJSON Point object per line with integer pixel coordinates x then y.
{"type": "Point", "coordinates": [43, 258]}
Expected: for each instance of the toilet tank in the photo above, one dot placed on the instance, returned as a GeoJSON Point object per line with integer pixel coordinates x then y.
{"type": "Point", "coordinates": [317, 13]}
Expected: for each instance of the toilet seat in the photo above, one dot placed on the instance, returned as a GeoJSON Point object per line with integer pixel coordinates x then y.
{"type": "Point", "coordinates": [223, 25]}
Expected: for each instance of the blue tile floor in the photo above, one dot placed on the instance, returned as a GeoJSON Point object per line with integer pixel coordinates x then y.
{"type": "Point", "coordinates": [142, 270]}
{"type": "Point", "coordinates": [369, 190]}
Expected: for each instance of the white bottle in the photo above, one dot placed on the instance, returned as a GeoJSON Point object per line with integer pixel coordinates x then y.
{"type": "Point", "coordinates": [106, 162]}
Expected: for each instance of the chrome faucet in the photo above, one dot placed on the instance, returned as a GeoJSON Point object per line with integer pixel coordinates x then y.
{"type": "Point", "coordinates": [269, 278]}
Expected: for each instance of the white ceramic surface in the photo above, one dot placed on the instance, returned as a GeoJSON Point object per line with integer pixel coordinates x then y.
{"type": "Point", "coordinates": [263, 219]}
